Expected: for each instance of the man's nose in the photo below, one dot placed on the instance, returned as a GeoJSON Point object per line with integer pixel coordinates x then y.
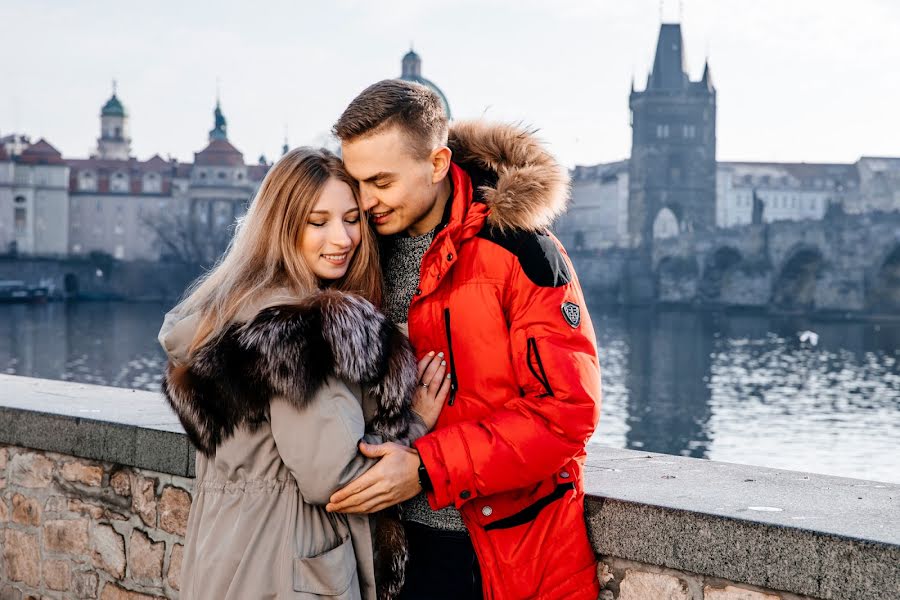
{"type": "Point", "coordinates": [368, 201]}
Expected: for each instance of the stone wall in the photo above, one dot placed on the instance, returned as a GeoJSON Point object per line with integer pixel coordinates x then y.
{"type": "Point", "coordinates": [73, 528]}
{"type": "Point", "coordinates": [93, 508]}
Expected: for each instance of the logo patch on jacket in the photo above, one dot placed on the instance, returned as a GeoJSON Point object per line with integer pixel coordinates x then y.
{"type": "Point", "coordinates": [572, 313]}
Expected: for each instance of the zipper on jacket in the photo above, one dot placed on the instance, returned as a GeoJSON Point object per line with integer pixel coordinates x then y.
{"type": "Point", "coordinates": [454, 383]}
{"type": "Point", "coordinates": [538, 372]}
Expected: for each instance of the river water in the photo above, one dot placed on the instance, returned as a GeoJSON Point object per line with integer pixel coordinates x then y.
{"type": "Point", "coordinates": [737, 388]}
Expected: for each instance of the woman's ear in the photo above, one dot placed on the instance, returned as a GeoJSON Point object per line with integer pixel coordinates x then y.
{"type": "Point", "coordinates": [440, 163]}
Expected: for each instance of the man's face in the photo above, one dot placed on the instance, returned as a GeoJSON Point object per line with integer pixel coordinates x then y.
{"type": "Point", "coordinates": [397, 188]}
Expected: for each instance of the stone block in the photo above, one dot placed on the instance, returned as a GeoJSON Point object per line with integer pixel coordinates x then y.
{"type": "Point", "coordinates": [22, 557]}
{"type": "Point", "coordinates": [145, 559]}
{"type": "Point", "coordinates": [8, 592]}
{"type": "Point", "coordinates": [174, 575]}
{"type": "Point", "coordinates": [113, 592]}
{"type": "Point", "coordinates": [30, 470]}
{"type": "Point", "coordinates": [174, 508]}
{"type": "Point", "coordinates": [143, 498]}
{"type": "Point", "coordinates": [57, 575]}
{"type": "Point", "coordinates": [734, 593]}
{"type": "Point", "coordinates": [120, 482]}
{"type": "Point", "coordinates": [4, 510]}
{"type": "Point", "coordinates": [91, 475]}
{"type": "Point", "coordinates": [109, 551]}
{"type": "Point", "coordinates": [4, 457]}
{"type": "Point", "coordinates": [55, 504]}
{"type": "Point", "coordinates": [25, 510]}
{"type": "Point", "coordinates": [85, 585]}
{"type": "Point", "coordinates": [67, 537]}
{"type": "Point", "coordinates": [642, 585]}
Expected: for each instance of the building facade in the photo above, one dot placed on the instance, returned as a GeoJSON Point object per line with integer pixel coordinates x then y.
{"type": "Point", "coordinates": [113, 203]}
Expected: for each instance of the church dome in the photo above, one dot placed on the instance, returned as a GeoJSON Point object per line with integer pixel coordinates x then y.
{"type": "Point", "coordinates": [113, 108]}
{"type": "Point", "coordinates": [412, 71]}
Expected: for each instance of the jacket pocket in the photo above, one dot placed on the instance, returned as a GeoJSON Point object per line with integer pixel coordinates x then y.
{"type": "Point", "coordinates": [328, 574]}
{"type": "Point", "coordinates": [454, 383]}
{"type": "Point", "coordinates": [536, 366]}
{"type": "Point", "coordinates": [530, 512]}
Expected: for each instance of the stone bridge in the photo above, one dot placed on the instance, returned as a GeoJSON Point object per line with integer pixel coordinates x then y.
{"type": "Point", "coordinates": [842, 263]}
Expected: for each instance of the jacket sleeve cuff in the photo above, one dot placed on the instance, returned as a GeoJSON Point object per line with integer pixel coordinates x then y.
{"type": "Point", "coordinates": [440, 495]}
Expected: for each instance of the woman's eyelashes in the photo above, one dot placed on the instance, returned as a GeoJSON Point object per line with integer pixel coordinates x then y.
{"type": "Point", "coordinates": [350, 220]}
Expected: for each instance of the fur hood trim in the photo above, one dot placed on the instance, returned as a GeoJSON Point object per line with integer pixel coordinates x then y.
{"type": "Point", "coordinates": [289, 350]}
{"type": "Point", "coordinates": [523, 184]}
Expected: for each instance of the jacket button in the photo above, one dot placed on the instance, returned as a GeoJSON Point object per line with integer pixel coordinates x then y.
{"type": "Point", "coordinates": [419, 292]}
{"type": "Point", "coordinates": [564, 474]}
{"type": "Point", "coordinates": [465, 494]}
{"type": "Point", "coordinates": [450, 256]}
{"type": "Point", "coordinates": [487, 511]}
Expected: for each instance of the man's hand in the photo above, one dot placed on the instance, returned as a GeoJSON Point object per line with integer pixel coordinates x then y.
{"type": "Point", "coordinates": [392, 480]}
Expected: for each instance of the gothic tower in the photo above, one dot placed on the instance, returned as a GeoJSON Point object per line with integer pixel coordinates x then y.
{"type": "Point", "coordinates": [114, 142]}
{"type": "Point", "coordinates": [672, 171]}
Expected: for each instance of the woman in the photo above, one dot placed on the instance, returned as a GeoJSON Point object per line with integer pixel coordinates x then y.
{"type": "Point", "coordinates": [279, 364]}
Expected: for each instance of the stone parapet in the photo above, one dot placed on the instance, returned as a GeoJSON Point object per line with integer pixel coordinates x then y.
{"type": "Point", "coordinates": [95, 492]}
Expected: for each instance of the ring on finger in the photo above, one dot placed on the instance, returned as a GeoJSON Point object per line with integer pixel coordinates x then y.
{"type": "Point", "coordinates": [424, 385]}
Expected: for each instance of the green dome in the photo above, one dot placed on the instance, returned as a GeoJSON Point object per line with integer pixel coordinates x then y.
{"type": "Point", "coordinates": [113, 108]}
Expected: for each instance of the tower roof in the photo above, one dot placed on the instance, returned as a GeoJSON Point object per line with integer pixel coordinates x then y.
{"type": "Point", "coordinates": [113, 108]}
{"type": "Point", "coordinates": [668, 66]}
{"type": "Point", "coordinates": [412, 71]}
{"type": "Point", "coordinates": [219, 153]}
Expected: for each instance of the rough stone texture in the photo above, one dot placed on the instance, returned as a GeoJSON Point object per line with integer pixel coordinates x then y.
{"type": "Point", "coordinates": [120, 482]}
{"type": "Point", "coordinates": [143, 499]}
{"type": "Point", "coordinates": [21, 554]}
{"type": "Point", "coordinates": [30, 470]}
{"type": "Point", "coordinates": [109, 551]}
{"type": "Point", "coordinates": [25, 511]}
{"type": "Point", "coordinates": [639, 585]}
{"type": "Point", "coordinates": [113, 592]}
{"type": "Point", "coordinates": [4, 511]}
{"type": "Point", "coordinates": [90, 475]}
{"type": "Point", "coordinates": [145, 558]}
{"type": "Point", "coordinates": [67, 537]}
{"type": "Point", "coordinates": [55, 504]}
{"type": "Point", "coordinates": [174, 575]}
{"type": "Point", "coordinates": [4, 456]}
{"type": "Point", "coordinates": [57, 575]}
{"type": "Point", "coordinates": [85, 585]}
{"type": "Point", "coordinates": [732, 593]}
{"type": "Point", "coordinates": [174, 507]}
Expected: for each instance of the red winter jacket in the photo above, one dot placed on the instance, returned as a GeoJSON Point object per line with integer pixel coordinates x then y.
{"type": "Point", "coordinates": [499, 296]}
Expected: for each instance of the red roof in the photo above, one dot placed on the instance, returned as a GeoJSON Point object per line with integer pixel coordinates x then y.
{"type": "Point", "coordinates": [3, 154]}
{"type": "Point", "coordinates": [219, 153]}
{"type": "Point", "coordinates": [257, 172]}
{"type": "Point", "coordinates": [41, 153]}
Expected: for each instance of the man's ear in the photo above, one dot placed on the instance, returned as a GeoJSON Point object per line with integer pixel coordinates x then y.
{"type": "Point", "coordinates": [440, 163]}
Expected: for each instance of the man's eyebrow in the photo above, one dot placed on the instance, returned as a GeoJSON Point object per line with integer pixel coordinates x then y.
{"type": "Point", "coordinates": [377, 176]}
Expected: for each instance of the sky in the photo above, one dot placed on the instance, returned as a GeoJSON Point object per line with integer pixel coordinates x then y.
{"type": "Point", "coordinates": [797, 80]}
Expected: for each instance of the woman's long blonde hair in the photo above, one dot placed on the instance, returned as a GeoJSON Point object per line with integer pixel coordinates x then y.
{"type": "Point", "coordinates": [265, 252]}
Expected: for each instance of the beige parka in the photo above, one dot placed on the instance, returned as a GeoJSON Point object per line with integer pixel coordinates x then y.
{"type": "Point", "coordinates": [276, 409]}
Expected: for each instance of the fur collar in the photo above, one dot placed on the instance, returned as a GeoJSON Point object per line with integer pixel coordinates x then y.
{"type": "Point", "coordinates": [522, 183]}
{"type": "Point", "coordinates": [289, 350]}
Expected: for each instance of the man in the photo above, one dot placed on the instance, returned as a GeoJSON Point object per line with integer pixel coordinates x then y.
{"type": "Point", "coordinates": [472, 269]}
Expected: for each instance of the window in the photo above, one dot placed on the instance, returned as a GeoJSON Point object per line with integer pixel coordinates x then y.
{"type": "Point", "coordinates": [662, 131]}
{"type": "Point", "coordinates": [120, 252]}
{"type": "Point", "coordinates": [20, 199]}
{"type": "Point", "coordinates": [222, 175]}
{"type": "Point", "coordinates": [689, 131]}
{"type": "Point", "coordinates": [21, 219]}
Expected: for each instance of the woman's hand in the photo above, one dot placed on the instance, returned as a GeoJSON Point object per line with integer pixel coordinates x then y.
{"type": "Point", "coordinates": [434, 385]}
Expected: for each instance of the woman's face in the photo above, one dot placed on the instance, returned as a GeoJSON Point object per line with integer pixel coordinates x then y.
{"type": "Point", "coordinates": [332, 232]}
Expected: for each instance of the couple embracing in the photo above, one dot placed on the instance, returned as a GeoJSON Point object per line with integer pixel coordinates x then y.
{"type": "Point", "coordinates": [391, 375]}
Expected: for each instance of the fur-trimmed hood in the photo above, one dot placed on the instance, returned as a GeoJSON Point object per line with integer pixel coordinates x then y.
{"type": "Point", "coordinates": [524, 186]}
{"type": "Point", "coordinates": [287, 350]}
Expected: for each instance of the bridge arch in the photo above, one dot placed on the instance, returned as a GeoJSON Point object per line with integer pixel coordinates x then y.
{"type": "Point", "coordinates": [883, 295]}
{"type": "Point", "coordinates": [715, 274]}
{"type": "Point", "coordinates": [794, 288]}
{"type": "Point", "coordinates": [676, 279]}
